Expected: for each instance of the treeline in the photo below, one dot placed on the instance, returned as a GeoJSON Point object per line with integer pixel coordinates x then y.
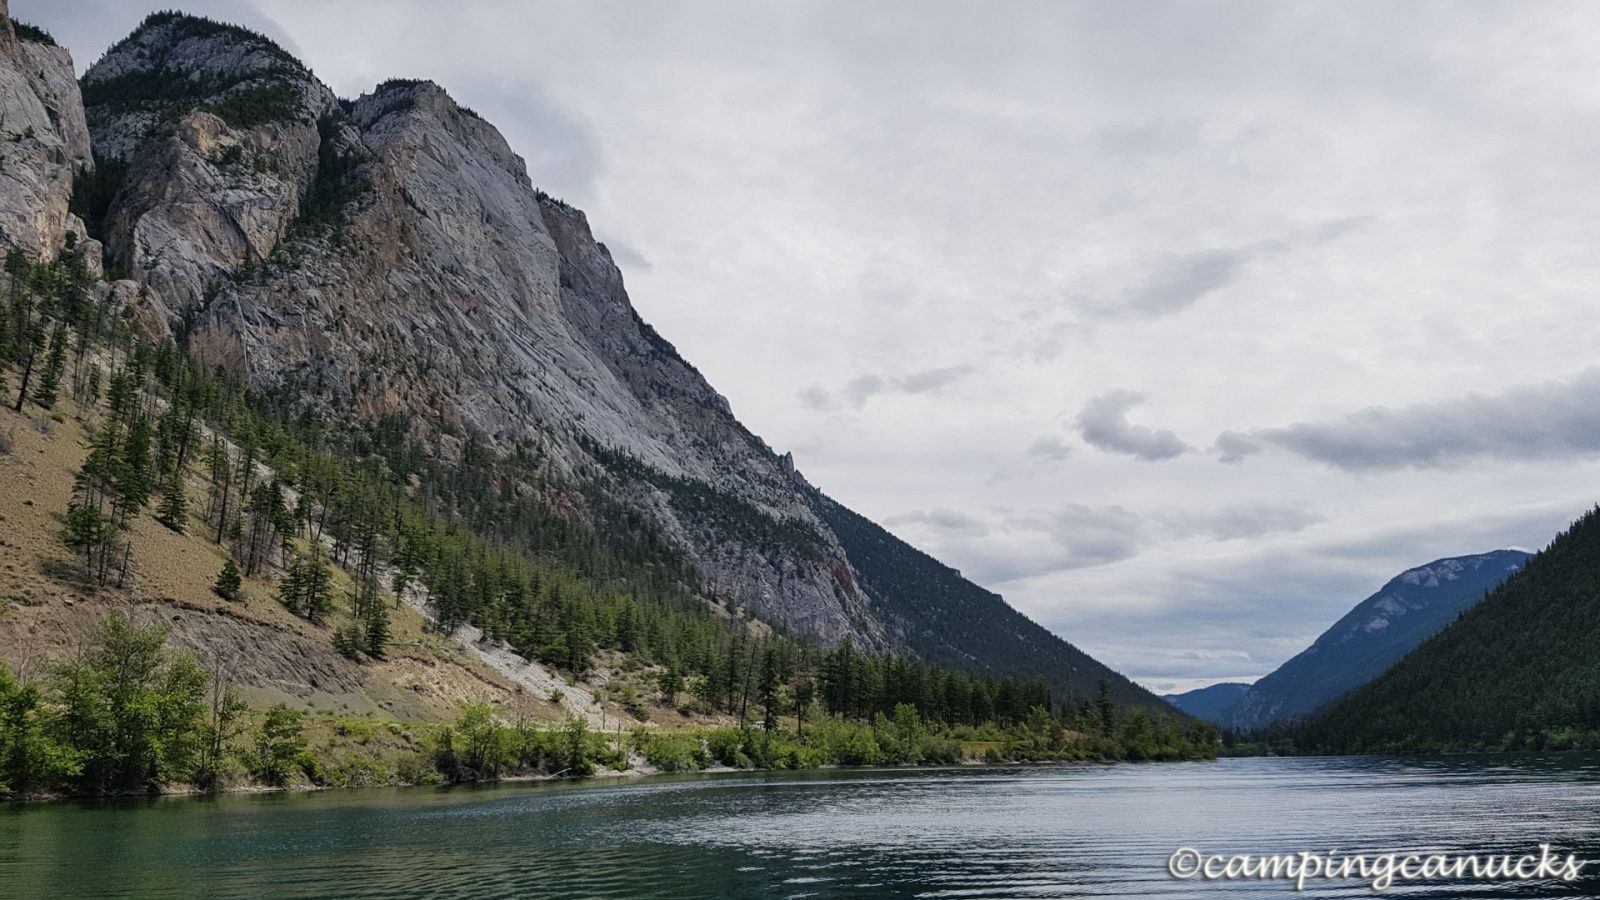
{"type": "Point", "coordinates": [481, 746]}
{"type": "Point", "coordinates": [130, 715]}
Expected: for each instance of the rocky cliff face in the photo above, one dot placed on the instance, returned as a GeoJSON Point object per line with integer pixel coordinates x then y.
{"type": "Point", "coordinates": [388, 258]}
{"type": "Point", "coordinates": [451, 292]}
{"type": "Point", "coordinates": [218, 130]}
{"type": "Point", "coordinates": [43, 140]}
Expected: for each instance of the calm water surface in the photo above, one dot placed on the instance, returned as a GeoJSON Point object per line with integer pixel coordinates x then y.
{"type": "Point", "coordinates": [1069, 831]}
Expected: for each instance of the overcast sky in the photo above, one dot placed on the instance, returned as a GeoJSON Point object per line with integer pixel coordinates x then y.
{"type": "Point", "coordinates": [1184, 326]}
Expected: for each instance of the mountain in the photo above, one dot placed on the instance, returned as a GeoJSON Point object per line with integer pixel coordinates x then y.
{"type": "Point", "coordinates": [1208, 702]}
{"type": "Point", "coordinates": [1373, 636]}
{"type": "Point", "coordinates": [387, 261]}
{"type": "Point", "coordinates": [1516, 671]}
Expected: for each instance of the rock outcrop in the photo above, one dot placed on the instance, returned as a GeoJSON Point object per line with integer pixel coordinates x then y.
{"type": "Point", "coordinates": [218, 130]}
{"type": "Point", "coordinates": [43, 141]}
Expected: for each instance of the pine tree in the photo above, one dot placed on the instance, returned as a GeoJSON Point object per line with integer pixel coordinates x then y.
{"type": "Point", "coordinates": [347, 640]}
{"type": "Point", "coordinates": [318, 588]}
{"type": "Point", "coordinates": [768, 689]}
{"type": "Point", "coordinates": [307, 587]}
{"type": "Point", "coordinates": [86, 532]}
{"type": "Point", "coordinates": [377, 630]}
{"type": "Point", "coordinates": [228, 581]}
{"type": "Point", "coordinates": [670, 682]}
{"type": "Point", "coordinates": [133, 469]}
{"type": "Point", "coordinates": [33, 338]}
{"type": "Point", "coordinates": [291, 588]}
{"type": "Point", "coordinates": [174, 509]}
{"type": "Point", "coordinates": [55, 365]}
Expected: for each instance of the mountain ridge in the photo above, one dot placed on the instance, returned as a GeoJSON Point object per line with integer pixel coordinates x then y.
{"type": "Point", "coordinates": [1208, 702]}
{"type": "Point", "coordinates": [388, 258]}
{"type": "Point", "coordinates": [1371, 637]}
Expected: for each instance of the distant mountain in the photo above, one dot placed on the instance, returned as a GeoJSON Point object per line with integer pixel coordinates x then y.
{"type": "Point", "coordinates": [1372, 637]}
{"type": "Point", "coordinates": [1521, 670]}
{"type": "Point", "coordinates": [1208, 702]}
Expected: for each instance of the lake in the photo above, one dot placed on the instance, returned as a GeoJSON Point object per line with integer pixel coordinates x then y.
{"type": "Point", "coordinates": [1046, 831]}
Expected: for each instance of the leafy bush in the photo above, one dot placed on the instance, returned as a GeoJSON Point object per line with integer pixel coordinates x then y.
{"type": "Point", "coordinates": [850, 743]}
{"type": "Point", "coordinates": [280, 748]}
{"type": "Point", "coordinates": [675, 752]}
{"type": "Point", "coordinates": [726, 746]}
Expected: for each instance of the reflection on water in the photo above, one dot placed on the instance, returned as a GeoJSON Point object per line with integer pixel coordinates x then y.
{"type": "Point", "coordinates": [1067, 831]}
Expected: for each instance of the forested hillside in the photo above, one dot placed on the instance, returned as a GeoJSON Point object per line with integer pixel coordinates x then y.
{"type": "Point", "coordinates": [1519, 670]}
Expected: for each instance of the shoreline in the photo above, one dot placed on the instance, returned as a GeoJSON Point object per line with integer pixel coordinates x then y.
{"type": "Point", "coordinates": [633, 773]}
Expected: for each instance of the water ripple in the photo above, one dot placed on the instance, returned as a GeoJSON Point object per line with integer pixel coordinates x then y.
{"type": "Point", "coordinates": [1065, 831]}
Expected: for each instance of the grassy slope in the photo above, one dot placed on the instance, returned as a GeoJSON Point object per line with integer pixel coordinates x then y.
{"type": "Point", "coordinates": [47, 611]}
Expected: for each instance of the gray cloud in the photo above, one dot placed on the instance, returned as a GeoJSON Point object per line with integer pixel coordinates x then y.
{"type": "Point", "coordinates": [1049, 447]}
{"type": "Point", "coordinates": [1090, 536]}
{"type": "Point", "coordinates": [1178, 281]}
{"type": "Point", "coordinates": [557, 142]}
{"type": "Point", "coordinates": [998, 546]}
{"type": "Point", "coordinates": [627, 257]}
{"type": "Point", "coordinates": [932, 379]}
{"type": "Point", "coordinates": [1042, 542]}
{"type": "Point", "coordinates": [948, 521]}
{"type": "Point", "coordinates": [1552, 420]}
{"type": "Point", "coordinates": [1183, 280]}
{"type": "Point", "coordinates": [1253, 520]}
{"type": "Point", "coordinates": [862, 388]}
{"type": "Point", "coordinates": [1104, 424]}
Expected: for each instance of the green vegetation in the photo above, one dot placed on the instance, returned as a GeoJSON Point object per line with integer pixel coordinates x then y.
{"type": "Point", "coordinates": [481, 746]}
{"type": "Point", "coordinates": [93, 191]}
{"type": "Point", "coordinates": [1515, 672]}
{"type": "Point", "coordinates": [131, 716]}
{"type": "Point", "coordinates": [336, 184]}
{"type": "Point", "coordinates": [32, 33]}
{"type": "Point", "coordinates": [228, 581]}
{"type": "Point", "coordinates": [243, 100]}
{"type": "Point", "coordinates": [126, 716]}
{"type": "Point", "coordinates": [258, 104]}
